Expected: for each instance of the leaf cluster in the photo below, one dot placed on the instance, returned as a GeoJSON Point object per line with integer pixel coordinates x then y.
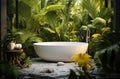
{"type": "Point", "coordinates": [108, 52]}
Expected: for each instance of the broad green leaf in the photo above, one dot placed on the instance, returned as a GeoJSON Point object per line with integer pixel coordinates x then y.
{"type": "Point", "coordinates": [24, 10]}
{"type": "Point", "coordinates": [54, 7]}
{"type": "Point", "coordinates": [98, 21]}
{"type": "Point", "coordinates": [31, 3]}
{"type": "Point", "coordinates": [91, 26]}
{"type": "Point", "coordinates": [52, 19]}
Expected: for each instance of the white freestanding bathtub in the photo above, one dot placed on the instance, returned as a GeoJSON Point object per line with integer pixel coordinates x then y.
{"type": "Point", "coordinates": [59, 51]}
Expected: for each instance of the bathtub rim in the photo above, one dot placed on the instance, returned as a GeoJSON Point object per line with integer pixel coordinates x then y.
{"type": "Point", "coordinates": [59, 43]}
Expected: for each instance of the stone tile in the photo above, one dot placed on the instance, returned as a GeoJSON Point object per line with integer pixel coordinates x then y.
{"type": "Point", "coordinates": [39, 70]}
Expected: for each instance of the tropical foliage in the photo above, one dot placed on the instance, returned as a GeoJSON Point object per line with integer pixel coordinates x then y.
{"type": "Point", "coordinates": [8, 71]}
{"type": "Point", "coordinates": [95, 39]}
{"type": "Point", "coordinates": [62, 20]}
{"type": "Point", "coordinates": [67, 20]}
{"type": "Point", "coordinates": [104, 47]}
{"type": "Point", "coordinates": [52, 21]}
{"type": "Point", "coordinates": [107, 52]}
{"type": "Point", "coordinates": [58, 20]}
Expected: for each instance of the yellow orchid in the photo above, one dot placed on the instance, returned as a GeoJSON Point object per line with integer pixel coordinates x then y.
{"type": "Point", "coordinates": [96, 35]}
{"type": "Point", "coordinates": [105, 29]}
{"type": "Point", "coordinates": [83, 60]}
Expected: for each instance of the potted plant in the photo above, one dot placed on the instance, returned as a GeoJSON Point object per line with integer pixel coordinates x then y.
{"type": "Point", "coordinates": [13, 36]}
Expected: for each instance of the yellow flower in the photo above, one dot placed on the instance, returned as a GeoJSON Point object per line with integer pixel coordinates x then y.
{"type": "Point", "coordinates": [105, 29]}
{"type": "Point", "coordinates": [96, 35]}
{"type": "Point", "coordinates": [83, 60]}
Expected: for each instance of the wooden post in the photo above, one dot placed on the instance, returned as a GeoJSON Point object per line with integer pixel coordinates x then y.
{"type": "Point", "coordinates": [3, 24]}
{"type": "Point", "coordinates": [117, 15]}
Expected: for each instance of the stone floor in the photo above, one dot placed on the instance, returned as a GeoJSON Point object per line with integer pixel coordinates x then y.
{"type": "Point", "coordinates": [40, 69]}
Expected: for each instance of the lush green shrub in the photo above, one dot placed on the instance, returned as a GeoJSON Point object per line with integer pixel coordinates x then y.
{"type": "Point", "coordinates": [106, 51]}
{"type": "Point", "coordinates": [8, 71]}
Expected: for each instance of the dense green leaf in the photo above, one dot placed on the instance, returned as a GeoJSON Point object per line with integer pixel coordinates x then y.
{"type": "Point", "coordinates": [54, 7]}
{"type": "Point", "coordinates": [92, 6]}
{"type": "Point", "coordinates": [52, 19]}
{"type": "Point", "coordinates": [98, 21]}
{"type": "Point", "coordinates": [108, 51]}
{"type": "Point", "coordinates": [31, 3]}
{"type": "Point", "coordinates": [106, 13]}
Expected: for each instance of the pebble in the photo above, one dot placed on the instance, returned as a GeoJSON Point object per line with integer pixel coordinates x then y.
{"type": "Point", "coordinates": [60, 63]}
{"type": "Point", "coordinates": [47, 70]}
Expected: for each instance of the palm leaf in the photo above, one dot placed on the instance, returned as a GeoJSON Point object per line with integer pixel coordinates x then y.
{"type": "Point", "coordinates": [106, 13]}
{"type": "Point", "coordinates": [92, 6]}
